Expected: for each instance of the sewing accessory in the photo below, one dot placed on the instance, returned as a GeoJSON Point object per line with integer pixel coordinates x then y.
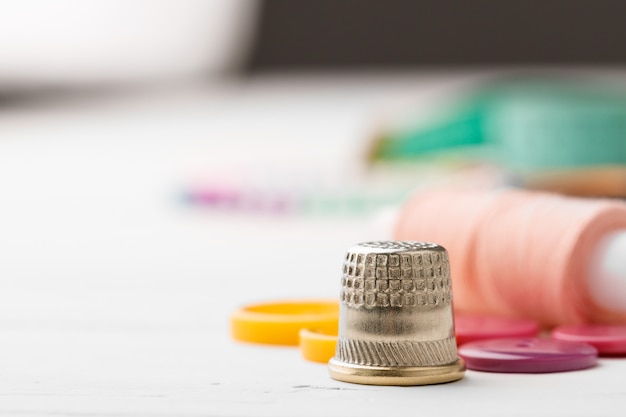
{"type": "Point", "coordinates": [396, 324]}
{"type": "Point", "coordinates": [317, 346]}
{"type": "Point", "coordinates": [519, 253]}
{"type": "Point", "coordinates": [470, 328]}
{"type": "Point", "coordinates": [609, 340]}
{"type": "Point", "coordinates": [527, 355]}
{"type": "Point", "coordinates": [279, 323]}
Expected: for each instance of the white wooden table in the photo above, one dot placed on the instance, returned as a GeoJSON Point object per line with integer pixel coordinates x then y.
{"type": "Point", "coordinates": [115, 297]}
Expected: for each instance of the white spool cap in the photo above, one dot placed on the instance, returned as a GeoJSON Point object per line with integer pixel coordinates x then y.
{"type": "Point", "coordinates": [606, 276]}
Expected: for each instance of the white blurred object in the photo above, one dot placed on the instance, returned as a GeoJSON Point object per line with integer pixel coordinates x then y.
{"type": "Point", "coordinates": [607, 272]}
{"type": "Point", "coordinates": [70, 42]}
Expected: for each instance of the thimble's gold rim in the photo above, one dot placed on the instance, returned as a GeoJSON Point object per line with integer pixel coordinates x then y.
{"type": "Point", "coordinates": [406, 375]}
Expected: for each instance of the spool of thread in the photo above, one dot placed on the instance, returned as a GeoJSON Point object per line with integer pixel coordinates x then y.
{"type": "Point", "coordinates": [526, 254]}
{"type": "Point", "coordinates": [553, 135]}
{"type": "Point", "coordinates": [524, 124]}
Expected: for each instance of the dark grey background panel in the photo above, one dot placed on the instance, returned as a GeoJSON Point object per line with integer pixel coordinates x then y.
{"type": "Point", "coordinates": [348, 34]}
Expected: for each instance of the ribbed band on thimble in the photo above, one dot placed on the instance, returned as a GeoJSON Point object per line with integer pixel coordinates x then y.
{"type": "Point", "coordinates": [396, 308]}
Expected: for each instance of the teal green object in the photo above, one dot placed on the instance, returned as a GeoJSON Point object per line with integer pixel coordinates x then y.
{"type": "Point", "coordinates": [523, 125]}
{"type": "Point", "coordinates": [464, 129]}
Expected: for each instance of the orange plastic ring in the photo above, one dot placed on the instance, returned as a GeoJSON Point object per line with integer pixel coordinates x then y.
{"type": "Point", "coordinates": [279, 323]}
{"type": "Point", "coordinates": [318, 346]}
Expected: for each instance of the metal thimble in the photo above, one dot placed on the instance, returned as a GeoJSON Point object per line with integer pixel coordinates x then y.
{"type": "Point", "coordinates": [396, 324]}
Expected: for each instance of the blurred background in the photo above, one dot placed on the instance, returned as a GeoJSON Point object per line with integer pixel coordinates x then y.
{"type": "Point", "coordinates": [141, 132]}
{"type": "Point", "coordinates": [165, 161]}
{"type": "Point", "coordinates": [152, 138]}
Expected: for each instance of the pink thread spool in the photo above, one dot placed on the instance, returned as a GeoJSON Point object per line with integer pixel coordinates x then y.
{"type": "Point", "coordinates": [526, 254]}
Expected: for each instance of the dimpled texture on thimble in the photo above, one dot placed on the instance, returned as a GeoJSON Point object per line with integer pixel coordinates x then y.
{"type": "Point", "coordinates": [396, 305]}
{"type": "Point", "coordinates": [405, 274]}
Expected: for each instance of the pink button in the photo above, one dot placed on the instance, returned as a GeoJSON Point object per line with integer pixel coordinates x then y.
{"type": "Point", "coordinates": [527, 355]}
{"type": "Point", "coordinates": [470, 328]}
{"type": "Point", "coordinates": [609, 340]}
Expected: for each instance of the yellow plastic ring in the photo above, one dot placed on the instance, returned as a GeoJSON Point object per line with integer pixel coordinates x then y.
{"type": "Point", "coordinates": [318, 346]}
{"type": "Point", "coordinates": [279, 323]}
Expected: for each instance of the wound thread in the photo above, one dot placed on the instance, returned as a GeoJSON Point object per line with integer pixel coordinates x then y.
{"type": "Point", "coordinates": [517, 253]}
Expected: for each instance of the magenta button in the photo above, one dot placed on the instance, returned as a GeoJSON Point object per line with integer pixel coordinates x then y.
{"type": "Point", "coordinates": [527, 355]}
{"type": "Point", "coordinates": [471, 328]}
{"type": "Point", "coordinates": [608, 339]}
